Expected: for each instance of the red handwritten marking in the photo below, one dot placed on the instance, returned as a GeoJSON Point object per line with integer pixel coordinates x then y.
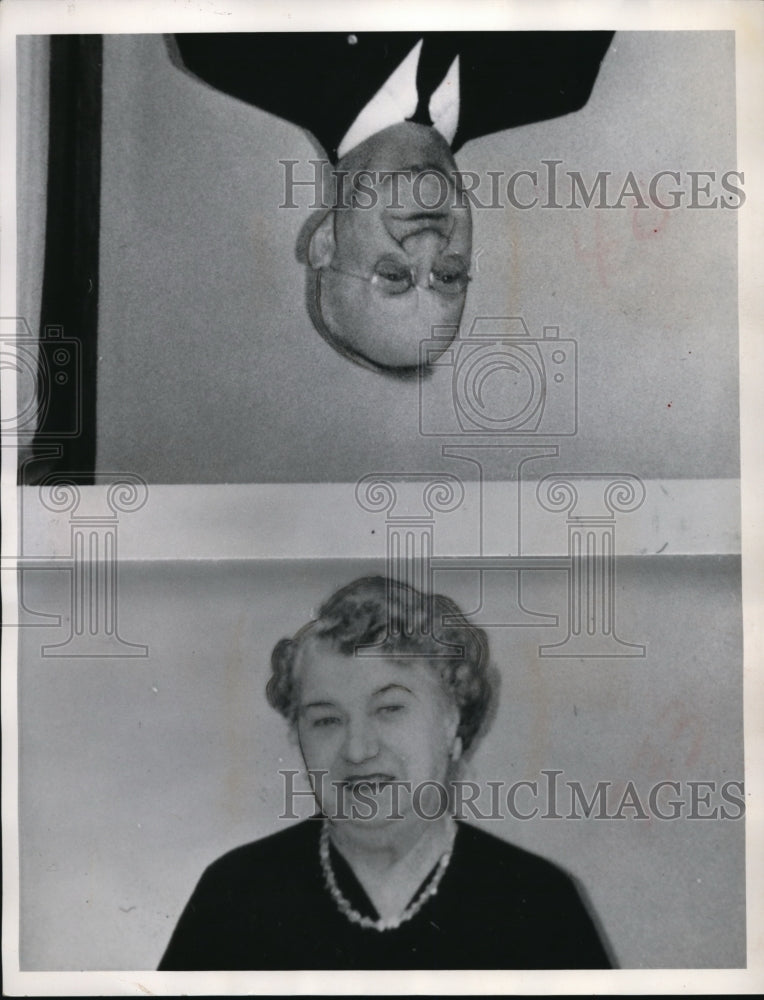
{"type": "Point", "coordinates": [601, 252]}
{"type": "Point", "coordinates": [647, 232]}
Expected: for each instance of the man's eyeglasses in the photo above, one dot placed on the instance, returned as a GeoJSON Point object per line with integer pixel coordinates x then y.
{"type": "Point", "coordinates": [448, 277]}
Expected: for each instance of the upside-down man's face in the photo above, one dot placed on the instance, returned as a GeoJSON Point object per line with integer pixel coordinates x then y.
{"type": "Point", "coordinates": [394, 256]}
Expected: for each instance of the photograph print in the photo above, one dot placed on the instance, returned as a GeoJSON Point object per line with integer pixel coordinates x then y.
{"type": "Point", "coordinates": [376, 589]}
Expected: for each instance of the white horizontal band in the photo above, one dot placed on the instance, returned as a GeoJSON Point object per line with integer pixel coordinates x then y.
{"type": "Point", "coordinates": [327, 521]}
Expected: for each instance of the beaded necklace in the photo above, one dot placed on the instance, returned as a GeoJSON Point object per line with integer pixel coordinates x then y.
{"type": "Point", "coordinates": [382, 924]}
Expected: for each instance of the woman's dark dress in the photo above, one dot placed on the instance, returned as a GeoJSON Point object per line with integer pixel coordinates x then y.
{"type": "Point", "coordinates": [265, 906]}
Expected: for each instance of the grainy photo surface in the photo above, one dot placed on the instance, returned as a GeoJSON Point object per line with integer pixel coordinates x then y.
{"type": "Point", "coordinates": [248, 222]}
{"type": "Point", "coordinates": [627, 777]}
{"type": "Point", "coordinates": [373, 584]}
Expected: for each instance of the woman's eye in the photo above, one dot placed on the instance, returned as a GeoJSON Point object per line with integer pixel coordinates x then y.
{"type": "Point", "coordinates": [324, 721]}
{"type": "Point", "coordinates": [390, 709]}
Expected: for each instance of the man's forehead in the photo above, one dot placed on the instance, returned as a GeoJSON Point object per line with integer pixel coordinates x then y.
{"type": "Point", "coordinates": [381, 327]}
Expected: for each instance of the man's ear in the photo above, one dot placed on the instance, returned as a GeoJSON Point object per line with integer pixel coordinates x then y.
{"type": "Point", "coordinates": [322, 243]}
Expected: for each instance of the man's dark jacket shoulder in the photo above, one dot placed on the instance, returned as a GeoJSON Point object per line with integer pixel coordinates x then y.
{"type": "Point", "coordinates": [322, 80]}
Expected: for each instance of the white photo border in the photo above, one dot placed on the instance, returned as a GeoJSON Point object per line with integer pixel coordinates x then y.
{"type": "Point", "coordinates": [746, 19]}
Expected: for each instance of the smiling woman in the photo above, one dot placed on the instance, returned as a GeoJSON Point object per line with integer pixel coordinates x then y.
{"type": "Point", "coordinates": [386, 691]}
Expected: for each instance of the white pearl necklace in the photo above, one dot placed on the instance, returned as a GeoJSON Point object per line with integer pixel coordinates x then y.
{"type": "Point", "coordinates": [390, 923]}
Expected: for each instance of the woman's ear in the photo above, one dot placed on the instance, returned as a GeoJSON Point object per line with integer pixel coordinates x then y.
{"type": "Point", "coordinates": [456, 749]}
{"type": "Point", "coordinates": [322, 243]}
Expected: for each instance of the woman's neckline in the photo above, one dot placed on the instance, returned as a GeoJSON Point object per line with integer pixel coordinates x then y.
{"type": "Point", "coordinates": [357, 896]}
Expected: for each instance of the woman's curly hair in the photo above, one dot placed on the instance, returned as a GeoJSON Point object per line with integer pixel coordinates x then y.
{"type": "Point", "coordinates": [402, 623]}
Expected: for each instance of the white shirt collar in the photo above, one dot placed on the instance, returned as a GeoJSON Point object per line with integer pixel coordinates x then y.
{"type": "Point", "coordinates": [397, 99]}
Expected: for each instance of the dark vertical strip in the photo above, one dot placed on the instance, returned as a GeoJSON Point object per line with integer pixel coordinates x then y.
{"type": "Point", "coordinates": [69, 308]}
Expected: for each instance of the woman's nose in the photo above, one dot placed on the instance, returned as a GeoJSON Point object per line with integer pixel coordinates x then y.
{"type": "Point", "coordinates": [361, 741]}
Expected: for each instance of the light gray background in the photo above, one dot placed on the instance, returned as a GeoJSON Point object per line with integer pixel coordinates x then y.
{"type": "Point", "coordinates": [134, 775]}
{"type": "Point", "coordinates": [210, 371]}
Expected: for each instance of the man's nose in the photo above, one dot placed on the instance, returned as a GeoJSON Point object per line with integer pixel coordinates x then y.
{"type": "Point", "coordinates": [423, 248]}
{"type": "Point", "coordinates": [361, 741]}
{"type": "Point", "coordinates": [412, 224]}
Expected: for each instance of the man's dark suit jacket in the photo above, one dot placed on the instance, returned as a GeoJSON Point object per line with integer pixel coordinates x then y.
{"type": "Point", "coordinates": [321, 81]}
{"type": "Point", "coordinates": [265, 906]}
